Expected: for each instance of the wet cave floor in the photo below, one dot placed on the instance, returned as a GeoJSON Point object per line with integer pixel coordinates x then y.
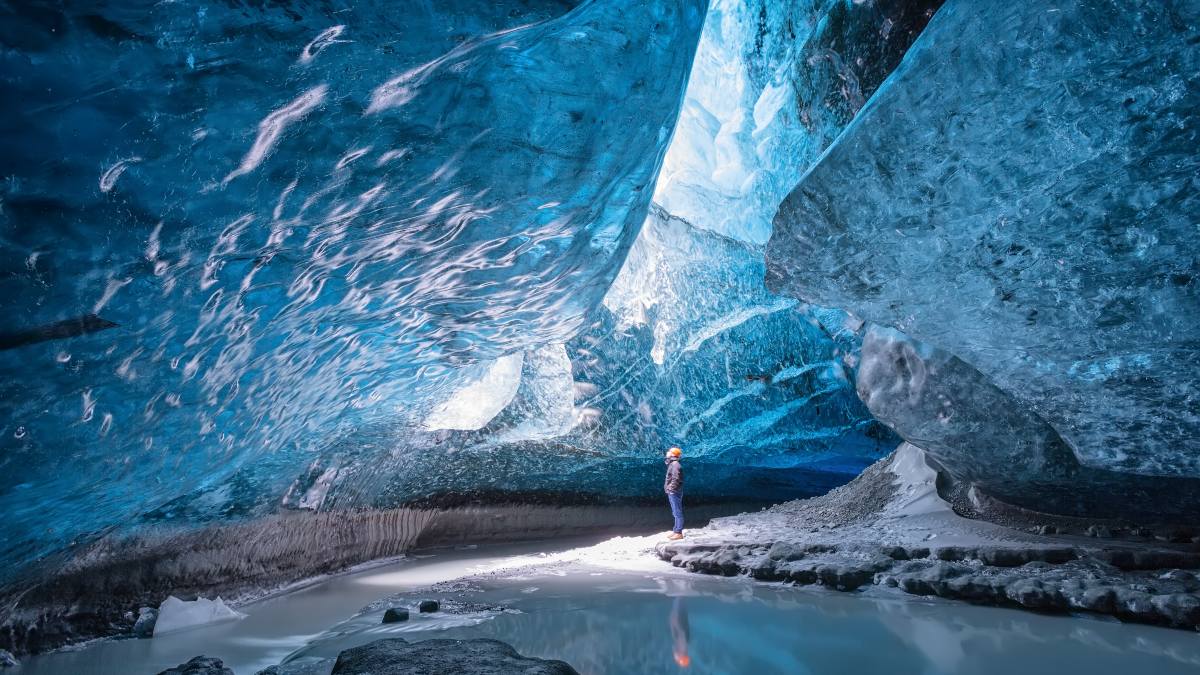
{"type": "Point", "coordinates": [614, 607]}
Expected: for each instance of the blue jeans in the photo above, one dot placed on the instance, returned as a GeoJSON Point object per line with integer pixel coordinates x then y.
{"type": "Point", "coordinates": [676, 500]}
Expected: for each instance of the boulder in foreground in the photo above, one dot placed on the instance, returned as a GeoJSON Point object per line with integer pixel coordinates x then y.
{"type": "Point", "coordinates": [199, 665]}
{"type": "Point", "coordinates": [396, 656]}
{"type": "Point", "coordinates": [395, 615]}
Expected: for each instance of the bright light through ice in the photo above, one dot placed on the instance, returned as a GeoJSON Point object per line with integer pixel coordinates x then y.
{"type": "Point", "coordinates": [475, 404]}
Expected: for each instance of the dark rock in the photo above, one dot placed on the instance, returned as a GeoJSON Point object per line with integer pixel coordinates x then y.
{"type": "Point", "coordinates": [1101, 599]}
{"type": "Point", "coordinates": [395, 615]}
{"type": "Point", "coordinates": [1179, 536]}
{"type": "Point", "coordinates": [1136, 606]}
{"type": "Point", "coordinates": [844, 577]}
{"type": "Point", "coordinates": [973, 588]}
{"type": "Point", "coordinates": [1178, 609]}
{"type": "Point", "coordinates": [1032, 593]}
{"type": "Point", "coordinates": [397, 656]}
{"type": "Point", "coordinates": [200, 665]}
{"type": "Point", "coordinates": [144, 626]}
{"type": "Point", "coordinates": [1054, 556]}
{"type": "Point", "coordinates": [427, 606]}
{"type": "Point", "coordinates": [7, 660]}
{"type": "Point", "coordinates": [303, 666]}
{"type": "Point", "coordinates": [1133, 581]}
{"type": "Point", "coordinates": [953, 553]}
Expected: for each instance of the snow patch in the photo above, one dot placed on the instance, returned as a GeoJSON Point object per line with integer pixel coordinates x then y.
{"type": "Point", "coordinates": [916, 483]}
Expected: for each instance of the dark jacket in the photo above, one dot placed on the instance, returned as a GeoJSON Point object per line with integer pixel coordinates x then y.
{"type": "Point", "coordinates": [673, 485]}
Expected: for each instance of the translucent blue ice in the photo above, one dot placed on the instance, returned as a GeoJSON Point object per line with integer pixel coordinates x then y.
{"type": "Point", "coordinates": [319, 256]}
{"type": "Point", "coordinates": [301, 220]}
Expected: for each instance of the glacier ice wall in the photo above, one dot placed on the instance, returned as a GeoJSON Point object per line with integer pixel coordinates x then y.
{"type": "Point", "coordinates": [1022, 193]}
{"type": "Point", "coordinates": [323, 258]}
{"type": "Point", "coordinates": [241, 232]}
{"type": "Point", "coordinates": [688, 347]}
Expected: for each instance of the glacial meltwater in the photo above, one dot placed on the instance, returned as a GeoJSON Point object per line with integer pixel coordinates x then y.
{"type": "Point", "coordinates": [646, 618]}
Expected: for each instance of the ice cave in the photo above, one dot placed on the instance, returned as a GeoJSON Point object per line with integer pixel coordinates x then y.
{"type": "Point", "coordinates": [383, 337]}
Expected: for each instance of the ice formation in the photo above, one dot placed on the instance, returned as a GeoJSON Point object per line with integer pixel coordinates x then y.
{"type": "Point", "coordinates": [1029, 206]}
{"type": "Point", "coordinates": [176, 615]}
{"type": "Point", "coordinates": [983, 437]}
{"type": "Point", "coordinates": [281, 226]}
{"type": "Point", "coordinates": [310, 260]}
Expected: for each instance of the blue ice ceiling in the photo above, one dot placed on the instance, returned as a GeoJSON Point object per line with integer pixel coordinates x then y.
{"type": "Point", "coordinates": [332, 255]}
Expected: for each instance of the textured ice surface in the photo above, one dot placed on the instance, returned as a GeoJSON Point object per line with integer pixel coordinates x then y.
{"type": "Point", "coordinates": [301, 219]}
{"type": "Point", "coordinates": [482, 391]}
{"type": "Point", "coordinates": [689, 347]}
{"type": "Point", "coordinates": [175, 614]}
{"type": "Point", "coordinates": [1022, 194]}
{"type": "Point", "coordinates": [328, 257]}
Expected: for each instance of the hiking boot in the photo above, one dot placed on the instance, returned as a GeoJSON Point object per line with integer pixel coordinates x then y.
{"type": "Point", "coordinates": [675, 536]}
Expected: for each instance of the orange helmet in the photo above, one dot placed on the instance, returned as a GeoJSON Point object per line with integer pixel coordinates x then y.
{"type": "Point", "coordinates": [674, 452]}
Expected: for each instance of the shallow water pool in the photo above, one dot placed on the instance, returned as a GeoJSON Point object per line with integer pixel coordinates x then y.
{"type": "Point", "coordinates": [651, 618]}
{"type": "Point", "coordinates": [601, 622]}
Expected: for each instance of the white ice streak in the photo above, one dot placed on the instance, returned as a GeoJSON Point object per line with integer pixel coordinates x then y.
{"type": "Point", "coordinates": [327, 37]}
{"type": "Point", "coordinates": [272, 127]}
{"type": "Point", "coordinates": [109, 178]}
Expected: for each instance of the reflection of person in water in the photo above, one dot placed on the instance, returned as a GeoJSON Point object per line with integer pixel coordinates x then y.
{"type": "Point", "coordinates": [679, 634]}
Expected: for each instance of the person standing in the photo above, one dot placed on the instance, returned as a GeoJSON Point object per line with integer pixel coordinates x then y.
{"type": "Point", "coordinates": [673, 485]}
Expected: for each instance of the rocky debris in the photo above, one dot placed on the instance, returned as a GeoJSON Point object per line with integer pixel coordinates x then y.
{"type": "Point", "coordinates": [199, 665]}
{"type": "Point", "coordinates": [143, 627]}
{"type": "Point", "coordinates": [7, 660]}
{"type": "Point", "coordinates": [427, 606]}
{"type": "Point", "coordinates": [395, 615]}
{"type": "Point", "coordinates": [396, 656]}
{"type": "Point", "coordinates": [916, 543]}
{"type": "Point", "coordinates": [854, 502]}
{"type": "Point", "coordinates": [446, 604]}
